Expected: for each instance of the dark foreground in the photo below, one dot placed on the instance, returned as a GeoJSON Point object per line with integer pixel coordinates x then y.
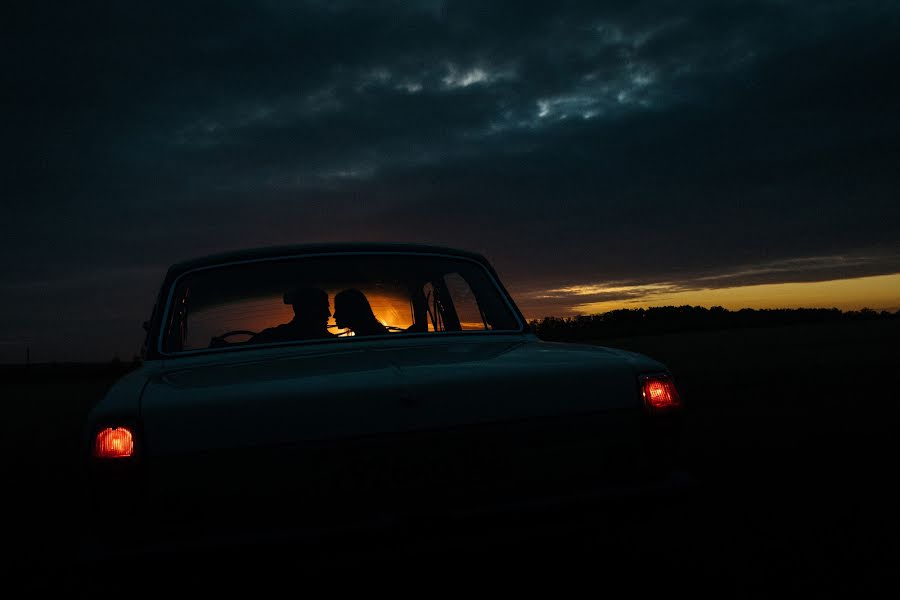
{"type": "Point", "coordinates": [788, 437]}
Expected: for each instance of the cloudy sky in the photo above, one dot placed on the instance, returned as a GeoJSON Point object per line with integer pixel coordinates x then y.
{"type": "Point", "coordinates": [599, 153]}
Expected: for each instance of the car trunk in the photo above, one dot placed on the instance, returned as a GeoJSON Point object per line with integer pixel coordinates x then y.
{"type": "Point", "coordinates": [419, 426]}
{"type": "Point", "coordinates": [509, 424]}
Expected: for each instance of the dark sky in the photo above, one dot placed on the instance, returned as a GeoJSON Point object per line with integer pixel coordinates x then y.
{"type": "Point", "coordinates": [573, 143]}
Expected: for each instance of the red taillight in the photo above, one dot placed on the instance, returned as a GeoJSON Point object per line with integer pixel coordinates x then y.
{"type": "Point", "coordinates": [114, 442]}
{"type": "Point", "coordinates": [659, 393]}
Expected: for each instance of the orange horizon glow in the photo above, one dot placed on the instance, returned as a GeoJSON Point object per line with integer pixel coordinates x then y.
{"type": "Point", "coordinates": [262, 313]}
{"type": "Point", "coordinates": [880, 292]}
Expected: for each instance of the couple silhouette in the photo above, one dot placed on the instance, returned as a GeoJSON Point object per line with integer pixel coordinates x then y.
{"type": "Point", "coordinates": [311, 313]}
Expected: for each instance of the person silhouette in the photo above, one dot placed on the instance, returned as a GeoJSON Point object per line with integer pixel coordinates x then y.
{"type": "Point", "coordinates": [311, 313]}
{"type": "Point", "coordinates": [352, 311]}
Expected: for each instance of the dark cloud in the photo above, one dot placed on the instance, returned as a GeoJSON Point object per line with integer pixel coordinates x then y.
{"type": "Point", "coordinates": [571, 142]}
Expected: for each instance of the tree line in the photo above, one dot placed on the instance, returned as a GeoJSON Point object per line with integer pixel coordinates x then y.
{"type": "Point", "coordinates": [675, 319]}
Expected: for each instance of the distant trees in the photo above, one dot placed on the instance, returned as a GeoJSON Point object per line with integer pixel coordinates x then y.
{"type": "Point", "coordinates": [673, 319]}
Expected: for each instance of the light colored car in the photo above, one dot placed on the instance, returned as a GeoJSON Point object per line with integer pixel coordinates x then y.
{"type": "Point", "coordinates": [312, 388]}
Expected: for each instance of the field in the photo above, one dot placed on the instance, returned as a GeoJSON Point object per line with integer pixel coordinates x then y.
{"type": "Point", "coordinates": [789, 436]}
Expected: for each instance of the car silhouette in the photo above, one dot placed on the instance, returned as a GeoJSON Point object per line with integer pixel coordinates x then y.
{"type": "Point", "coordinates": [310, 389]}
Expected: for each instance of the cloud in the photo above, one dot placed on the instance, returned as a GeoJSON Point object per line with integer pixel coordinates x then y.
{"type": "Point", "coordinates": [598, 296]}
{"type": "Point", "coordinates": [637, 143]}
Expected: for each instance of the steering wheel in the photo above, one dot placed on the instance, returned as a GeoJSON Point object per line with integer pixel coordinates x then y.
{"type": "Point", "coordinates": [219, 340]}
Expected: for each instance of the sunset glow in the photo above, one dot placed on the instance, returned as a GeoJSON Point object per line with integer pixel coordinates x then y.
{"type": "Point", "coordinates": [261, 313]}
{"type": "Point", "coordinates": [880, 292]}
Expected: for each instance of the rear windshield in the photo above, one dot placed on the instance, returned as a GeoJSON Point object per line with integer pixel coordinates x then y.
{"type": "Point", "coordinates": [332, 298]}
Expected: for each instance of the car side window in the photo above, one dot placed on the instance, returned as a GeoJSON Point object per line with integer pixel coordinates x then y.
{"type": "Point", "coordinates": [452, 306]}
{"type": "Point", "coordinates": [469, 313]}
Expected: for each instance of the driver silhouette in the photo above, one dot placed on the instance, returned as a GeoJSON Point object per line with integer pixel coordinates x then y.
{"type": "Point", "coordinates": [311, 313]}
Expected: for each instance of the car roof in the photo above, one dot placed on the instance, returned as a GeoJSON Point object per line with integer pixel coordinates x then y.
{"type": "Point", "coordinates": [301, 249]}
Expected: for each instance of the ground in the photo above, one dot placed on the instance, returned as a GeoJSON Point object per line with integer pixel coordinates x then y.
{"type": "Point", "coordinates": [788, 434]}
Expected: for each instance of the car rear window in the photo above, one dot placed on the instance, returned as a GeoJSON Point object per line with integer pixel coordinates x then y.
{"type": "Point", "coordinates": [331, 298]}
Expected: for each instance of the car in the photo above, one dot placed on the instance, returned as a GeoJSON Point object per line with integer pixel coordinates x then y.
{"type": "Point", "coordinates": [310, 389]}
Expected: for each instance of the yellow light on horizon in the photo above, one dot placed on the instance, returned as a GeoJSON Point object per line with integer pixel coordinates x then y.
{"type": "Point", "coordinates": [880, 292]}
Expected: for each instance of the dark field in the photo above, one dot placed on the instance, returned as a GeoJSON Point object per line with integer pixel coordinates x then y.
{"type": "Point", "coordinates": [789, 436]}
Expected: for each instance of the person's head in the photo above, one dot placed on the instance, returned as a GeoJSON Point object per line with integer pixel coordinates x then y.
{"type": "Point", "coordinates": [351, 309]}
{"type": "Point", "coordinates": [310, 305]}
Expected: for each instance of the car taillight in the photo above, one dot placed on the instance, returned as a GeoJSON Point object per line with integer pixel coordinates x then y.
{"type": "Point", "coordinates": [659, 393]}
{"type": "Point", "coordinates": [114, 442]}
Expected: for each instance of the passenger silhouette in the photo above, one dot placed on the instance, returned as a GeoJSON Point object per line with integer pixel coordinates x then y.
{"type": "Point", "coordinates": [311, 313]}
{"type": "Point", "coordinates": [352, 311]}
